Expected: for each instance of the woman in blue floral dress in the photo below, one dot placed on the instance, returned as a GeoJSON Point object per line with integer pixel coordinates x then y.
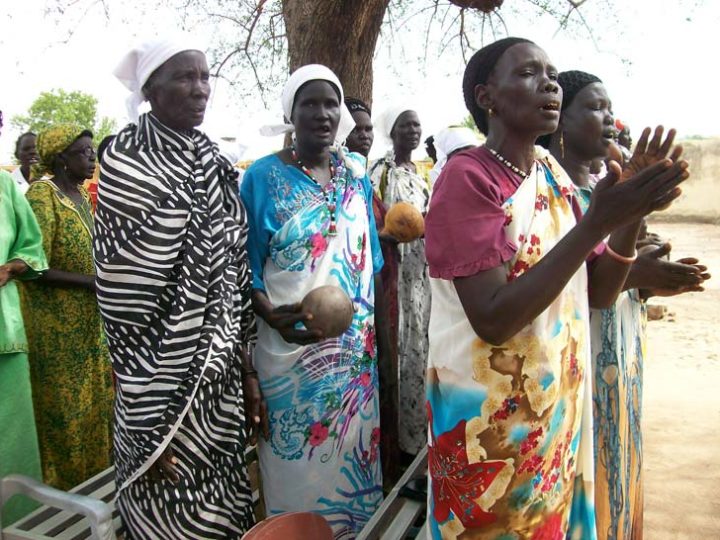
{"type": "Point", "coordinates": [311, 224]}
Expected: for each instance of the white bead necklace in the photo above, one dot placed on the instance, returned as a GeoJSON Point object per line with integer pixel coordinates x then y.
{"type": "Point", "coordinates": [508, 164]}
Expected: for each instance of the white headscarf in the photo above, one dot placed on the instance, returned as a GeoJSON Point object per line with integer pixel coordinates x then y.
{"type": "Point", "coordinates": [450, 139]}
{"type": "Point", "coordinates": [446, 142]}
{"type": "Point", "coordinates": [137, 65]}
{"type": "Point", "coordinates": [388, 118]}
{"type": "Point", "coordinates": [302, 75]}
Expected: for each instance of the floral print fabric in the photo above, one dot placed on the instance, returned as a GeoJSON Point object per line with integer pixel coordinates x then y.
{"type": "Point", "coordinates": [323, 451]}
{"type": "Point", "coordinates": [69, 362]}
{"type": "Point", "coordinates": [510, 428]}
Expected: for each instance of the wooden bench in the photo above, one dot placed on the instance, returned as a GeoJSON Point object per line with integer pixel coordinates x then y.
{"type": "Point", "coordinates": [88, 511]}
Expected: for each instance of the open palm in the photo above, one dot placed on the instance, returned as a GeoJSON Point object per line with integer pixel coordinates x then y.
{"type": "Point", "coordinates": [646, 154]}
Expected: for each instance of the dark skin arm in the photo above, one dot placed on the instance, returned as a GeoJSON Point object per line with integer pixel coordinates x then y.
{"type": "Point", "coordinates": [387, 371]}
{"type": "Point", "coordinates": [11, 270]}
{"type": "Point", "coordinates": [284, 318]}
{"type": "Point", "coordinates": [255, 406]}
{"type": "Point", "coordinates": [497, 310]}
{"type": "Point", "coordinates": [61, 278]}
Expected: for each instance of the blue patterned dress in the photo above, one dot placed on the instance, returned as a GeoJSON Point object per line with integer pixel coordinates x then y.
{"type": "Point", "coordinates": [323, 451]}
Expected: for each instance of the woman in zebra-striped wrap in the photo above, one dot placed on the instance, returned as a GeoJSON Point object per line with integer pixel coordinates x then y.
{"type": "Point", "coordinates": [174, 291]}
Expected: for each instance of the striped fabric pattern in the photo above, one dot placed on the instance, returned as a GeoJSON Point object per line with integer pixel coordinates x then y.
{"type": "Point", "coordinates": [173, 286]}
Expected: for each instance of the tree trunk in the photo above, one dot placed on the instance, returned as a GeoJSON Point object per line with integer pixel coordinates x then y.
{"type": "Point", "coordinates": [340, 34]}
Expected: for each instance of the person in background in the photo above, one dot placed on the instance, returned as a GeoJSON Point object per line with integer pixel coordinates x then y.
{"type": "Point", "coordinates": [624, 139]}
{"type": "Point", "coordinates": [430, 148]}
{"type": "Point", "coordinates": [584, 135]}
{"type": "Point", "coordinates": [69, 364]}
{"type": "Point", "coordinates": [450, 141]}
{"type": "Point", "coordinates": [26, 155]}
{"type": "Point", "coordinates": [170, 223]}
{"type": "Point", "coordinates": [396, 178]}
{"type": "Point", "coordinates": [311, 225]}
{"type": "Point", "coordinates": [515, 266]}
{"type": "Point", "coordinates": [21, 258]}
{"type": "Point", "coordinates": [360, 140]}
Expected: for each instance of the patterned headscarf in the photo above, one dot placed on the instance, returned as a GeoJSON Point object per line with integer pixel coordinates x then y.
{"type": "Point", "coordinates": [53, 141]}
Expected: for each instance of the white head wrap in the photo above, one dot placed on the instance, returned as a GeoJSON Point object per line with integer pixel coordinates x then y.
{"type": "Point", "coordinates": [446, 142]}
{"type": "Point", "coordinates": [302, 75]}
{"type": "Point", "coordinates": [388, 118]}
{"type": "Point", "coordinates": [137, 65]}
{"type": "Point", "coordinates": [450, 139]}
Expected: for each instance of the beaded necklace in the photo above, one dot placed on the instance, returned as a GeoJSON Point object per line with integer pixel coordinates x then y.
{"type": "Point", "coordinates": [329, 191]}
{"type": "Point", "coordinates": [508, 164]}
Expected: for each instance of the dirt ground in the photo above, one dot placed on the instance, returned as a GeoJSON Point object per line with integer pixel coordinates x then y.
{"type": "Point", "coordinates": [681, 416]}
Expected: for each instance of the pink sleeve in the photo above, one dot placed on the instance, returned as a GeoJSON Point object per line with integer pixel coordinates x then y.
{"type": "Point", "coordinates": [464, 228]}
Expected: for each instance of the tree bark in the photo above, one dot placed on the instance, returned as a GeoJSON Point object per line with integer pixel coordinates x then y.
{"type": "Point", "coordinates": [340, 34]}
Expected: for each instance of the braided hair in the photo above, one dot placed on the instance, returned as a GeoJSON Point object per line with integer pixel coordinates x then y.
{"type": "Point", "coordinates": [477, 72]}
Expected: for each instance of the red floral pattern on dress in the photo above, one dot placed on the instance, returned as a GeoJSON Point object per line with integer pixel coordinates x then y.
{"type": "Point", "coordinates": [318, 434]}
{"type": "Point", "coordinates": [551, 529]}
{"type": "Point", "coordinates": [518, 269]}
{"type": "Point", "coordinates": [318, 245]}
{"type": "Point", "coordinates": [531, 441]}
{"type": "Point", "coordinates": [541, 202]}
{"type": "Point", "coordinates": [456, 484]}
{"type": "Point", "coordinates": [508, 407]}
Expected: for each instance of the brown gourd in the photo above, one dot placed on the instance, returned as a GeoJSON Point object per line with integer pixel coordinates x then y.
{"type": "Point", "coordinates": [332, 310]}
{"type": "Point", "coordinates": [404, 222]}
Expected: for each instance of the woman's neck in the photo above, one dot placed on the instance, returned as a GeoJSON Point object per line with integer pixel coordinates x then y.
{"type": "Point", "coordinates": [403, 158]}
{"type": "Point", "coordinates": [578, 169]}
{"type": "Point", "coordinates": [517, 150]}
{"type": "Point", "coordinates": [25, 170]}
{"type": "Point", "coordinates": [66, 184]}
{"type": "Point", "coordinates": [313, 157]}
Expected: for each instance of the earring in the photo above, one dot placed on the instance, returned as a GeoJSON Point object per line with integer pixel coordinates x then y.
{"type": "Point", "coordinates": [562, 144]}
{"type": "Point", "coordinates": [491, 112]}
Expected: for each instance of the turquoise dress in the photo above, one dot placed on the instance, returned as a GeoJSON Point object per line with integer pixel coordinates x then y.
{"type": "Point", "coordinates": [323, 451]}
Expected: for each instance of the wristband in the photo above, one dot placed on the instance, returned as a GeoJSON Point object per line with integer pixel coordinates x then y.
{"type": "Point", "coordinates": [621, 258]}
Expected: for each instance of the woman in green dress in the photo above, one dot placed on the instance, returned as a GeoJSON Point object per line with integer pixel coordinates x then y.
{"type": "Point", "coordinates": [69, 362]}
{"type": "Point", "coordinates": [21, 257]}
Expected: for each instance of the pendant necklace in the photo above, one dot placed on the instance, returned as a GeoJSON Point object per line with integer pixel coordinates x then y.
{"type": "Point", "coordinates": [330, 203]}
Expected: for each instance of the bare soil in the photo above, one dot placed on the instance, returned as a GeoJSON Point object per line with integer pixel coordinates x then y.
{"type": "Point", "coordinates": [681, 415]}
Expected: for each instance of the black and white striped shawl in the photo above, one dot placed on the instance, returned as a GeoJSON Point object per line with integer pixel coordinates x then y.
{"type": "Point", "coordinates": [173, 284]}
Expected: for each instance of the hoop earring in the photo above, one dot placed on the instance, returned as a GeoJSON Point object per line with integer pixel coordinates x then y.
{"type": "Point", "coordinates": [562, 144]}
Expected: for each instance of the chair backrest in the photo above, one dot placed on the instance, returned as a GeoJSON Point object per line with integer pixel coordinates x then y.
{"type": "Point", "coordinates": [291, 526]}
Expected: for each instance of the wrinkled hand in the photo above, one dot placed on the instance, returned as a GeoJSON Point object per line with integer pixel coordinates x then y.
{"type": "Point", "coordinates": [646, 154]}
{"type": "Point", "coordinates": [284, 318]}
{"type": "Point", "coordinates": [659, 277]}
{"type": "Point", "coordinates": [164, 467]}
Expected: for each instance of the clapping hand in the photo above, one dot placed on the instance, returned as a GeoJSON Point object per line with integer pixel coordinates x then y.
{"type": "Point", "coordinates": [659, 277]}
{"type": "Point", "coordinates": [646, 154]}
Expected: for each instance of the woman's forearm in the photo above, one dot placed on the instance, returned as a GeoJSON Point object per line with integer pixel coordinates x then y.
{"type": "Point", "coordinates": [608, 275]}
{"type": "Point", "coordinates": [61, 278]}
{"type": "Point", "coordinates": [497, 310]}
